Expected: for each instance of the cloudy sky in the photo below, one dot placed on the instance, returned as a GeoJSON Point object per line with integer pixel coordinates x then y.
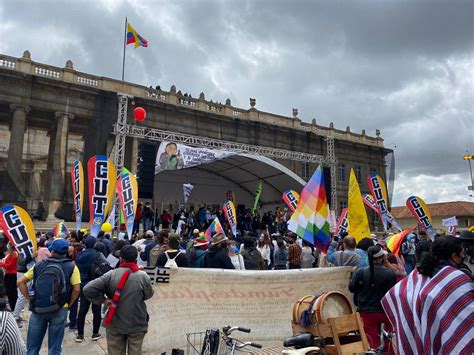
{"type": "Point", "coordinates": [404, 67]}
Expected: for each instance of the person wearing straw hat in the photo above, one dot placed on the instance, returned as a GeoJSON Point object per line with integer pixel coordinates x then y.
{"type": "Point", "coordinates": [197, 254]}
{"type": "Point", "coordinates": [217, 256]}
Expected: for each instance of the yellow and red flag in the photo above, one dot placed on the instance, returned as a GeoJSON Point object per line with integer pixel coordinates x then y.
{"type": "Point", "coordinates": [127, 191]}
{"type": "Point", "coordinates": [102, 177]}
{"type": "Point", "coordinates": [134, 37]}
{"type": "Point", "coordinates": [18, 227]}
{"type": "Point", "coordinates": [419, 210]}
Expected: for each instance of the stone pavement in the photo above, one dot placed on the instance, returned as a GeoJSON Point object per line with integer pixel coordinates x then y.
{"type": "Point", "coordinates": [70, 347]}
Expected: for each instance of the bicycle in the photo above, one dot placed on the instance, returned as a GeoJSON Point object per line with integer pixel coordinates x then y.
{"type": "Point", "coordinates": [233, 344]}
{"type": "Point", "coordinates": [215, 342]}
{"type": "Point", "coordinates": [384, 335]}
{"type": "Point", "coordinates": [302, 343]}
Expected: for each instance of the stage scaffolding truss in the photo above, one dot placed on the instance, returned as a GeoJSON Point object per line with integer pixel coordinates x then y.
{"type": "Point", "coordinates": [121, 130]}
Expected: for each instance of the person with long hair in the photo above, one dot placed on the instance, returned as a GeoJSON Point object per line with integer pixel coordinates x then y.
{"type": "Point", "coordinates": [432, 309]}
{"type": "Point", "coordinates": [234, 254]}
{"type": "Point", "coordinates": [371, 284]}
{"type": "Point", "coordinates": [9, 263]}
{"type": "Point", "coordinates": [264, 247]}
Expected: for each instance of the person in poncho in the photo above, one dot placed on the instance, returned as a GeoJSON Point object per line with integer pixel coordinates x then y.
{"type": "Point", "coordinates": [432, 309]}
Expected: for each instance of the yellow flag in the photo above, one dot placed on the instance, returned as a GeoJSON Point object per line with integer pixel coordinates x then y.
{"type": "Point", "coordinates": [357, 216]}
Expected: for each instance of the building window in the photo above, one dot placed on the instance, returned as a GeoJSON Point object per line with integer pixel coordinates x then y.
{"type": "Point", "coordinates": [306, 173]}
{"type": "Point", "coordinates": [373, 171]}
{"type": "Point", "coordinates": [342, 205]}
{"type": "Point", "coordinates": [358, 173]}
{"type": "Point", "coordinates": [341, 172]}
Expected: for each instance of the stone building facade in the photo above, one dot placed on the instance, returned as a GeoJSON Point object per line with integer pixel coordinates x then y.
{"type": "Point", "coordinates": [50, 116]}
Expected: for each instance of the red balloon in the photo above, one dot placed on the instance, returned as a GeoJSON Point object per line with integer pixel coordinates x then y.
{"type": "Point", "coordinates": [139, 113]}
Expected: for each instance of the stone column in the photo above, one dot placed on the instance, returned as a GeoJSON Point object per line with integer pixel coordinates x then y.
{"type": "Point", "coordinates": [35, 188]}
{"type": "Point", "coordinates": [15, 153]}
{"type": "Point", "coordinates": [57, 163]}
{"type": "Point", "coordinates": [131, 154]}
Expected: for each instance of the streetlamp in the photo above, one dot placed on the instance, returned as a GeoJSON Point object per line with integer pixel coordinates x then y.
{"type": "Point", "coordinates": [469, 158]}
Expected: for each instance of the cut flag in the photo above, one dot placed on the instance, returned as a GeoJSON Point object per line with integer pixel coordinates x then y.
{"type": "Point", "coordinates": [214, 227]}
{"type": "Point", "coordinates": [342, 224]}
{"type": "Point", "coordinates": [310, 219]}
{"type": "Point", "coordinates": [291, 199]}
{"type": "Point", "coordinates": [419, 210]}
{"type": "Point", "coordinates": [231, 216]}
{"type": "Point", "coordinates": [395, 241]}
{"type": "Point", "coordinates": [358, 222]}
{"type": "Point", "coordinates": [134, 37]}
{"type": "Point", "coordinates": [187, 188]}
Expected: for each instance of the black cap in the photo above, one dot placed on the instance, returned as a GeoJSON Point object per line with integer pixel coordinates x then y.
{"type": "Point", "coordinates": [129, 252]}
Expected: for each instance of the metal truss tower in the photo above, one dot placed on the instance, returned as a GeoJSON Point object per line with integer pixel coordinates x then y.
{"type": "Point", "coordinates": [120, 131]}
{"type": "Point", "coordinates": [331, 160]}
{"type": "Point", "coordinates": [123, 130]}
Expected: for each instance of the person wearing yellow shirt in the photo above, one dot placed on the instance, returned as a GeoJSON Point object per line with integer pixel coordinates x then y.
{"type": "Point", "coordinates": [49, 306]}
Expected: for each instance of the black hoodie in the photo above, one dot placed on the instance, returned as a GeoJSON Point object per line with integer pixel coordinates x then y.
{"type": "Point", "coordinates": [218, 258]}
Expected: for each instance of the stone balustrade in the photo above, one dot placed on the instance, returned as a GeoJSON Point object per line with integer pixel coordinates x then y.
{"type": "Point", "coordinates": [68, 74]}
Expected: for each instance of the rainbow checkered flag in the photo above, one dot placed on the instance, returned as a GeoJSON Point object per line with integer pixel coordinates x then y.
{"type": "Point", "coordinates": [310, 219]}
{"type": "Point", "coordinates": [214, 227]}
{"type": "Point", "coordinates": [60, 228]}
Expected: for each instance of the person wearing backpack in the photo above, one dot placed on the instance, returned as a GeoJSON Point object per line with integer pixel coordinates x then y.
{"type": "Point", "coordinates": [172, 258]}
{"type": "Point", "coordinates": [125, 291]}
{"type": "Point", "coordinates": [56, 286]}
{"type": "Point", "coordinates": [147, 244]}
{"type": "Point", "coordinates": [198, 252]}
{"type": "Point", "coordinates": [253, 260]}
{"type": "Point", "coordinates": [89, 261]}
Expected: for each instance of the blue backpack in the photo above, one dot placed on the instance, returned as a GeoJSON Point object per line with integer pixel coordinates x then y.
{"type": "Point", "coordinates": [51, 285]}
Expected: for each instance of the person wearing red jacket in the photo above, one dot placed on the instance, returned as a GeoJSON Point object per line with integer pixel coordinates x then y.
{"type": "Point", "coordinates": [9, 263]}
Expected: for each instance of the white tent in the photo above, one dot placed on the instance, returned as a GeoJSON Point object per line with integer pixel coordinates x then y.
{"type": "Point", "coordinates": [238, 173]}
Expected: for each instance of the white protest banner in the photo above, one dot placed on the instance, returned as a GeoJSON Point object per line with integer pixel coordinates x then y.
{"type": "Point", "coordinates": [450, 222]}
{"type": "Point", "coordinates": [173, 156]}
{"type": "Point", "coordinates": [193, 300]}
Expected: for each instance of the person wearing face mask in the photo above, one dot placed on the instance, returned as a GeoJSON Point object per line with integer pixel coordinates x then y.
{"type": "Point", "coordinates": [431, 309]}
{"type": "Point", "coordinates": [234, 254]}
{"type": "Point", "coordinates": [467, 240]}
{"type": "Point", "coordinates": [408, 252]}
{"type": "Point", "coordinates": [217, 256]}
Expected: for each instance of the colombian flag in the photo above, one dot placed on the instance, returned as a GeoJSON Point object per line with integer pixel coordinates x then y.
{"type": "Point", "coordinates": [134, 37]}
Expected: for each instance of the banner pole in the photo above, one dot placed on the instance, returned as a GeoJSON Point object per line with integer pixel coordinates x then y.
{"type": "Point", "coordinates": [124, 49]}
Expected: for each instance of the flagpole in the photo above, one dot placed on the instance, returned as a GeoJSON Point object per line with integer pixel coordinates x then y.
{"type": "Point", "coordinates": [124, 48]}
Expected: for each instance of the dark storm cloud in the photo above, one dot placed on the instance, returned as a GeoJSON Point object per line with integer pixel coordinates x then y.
{"type": "Point", "coordinates": [404, 67]}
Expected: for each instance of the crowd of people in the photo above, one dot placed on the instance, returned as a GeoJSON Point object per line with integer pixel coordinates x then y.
{"type": "Point", "coordinates": [103, 274]}
{"type": "Point", "coordinates": [186, 220]}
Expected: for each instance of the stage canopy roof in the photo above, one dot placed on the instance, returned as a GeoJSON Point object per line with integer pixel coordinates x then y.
{"type": "Point", "coordinates": [238, 173]}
